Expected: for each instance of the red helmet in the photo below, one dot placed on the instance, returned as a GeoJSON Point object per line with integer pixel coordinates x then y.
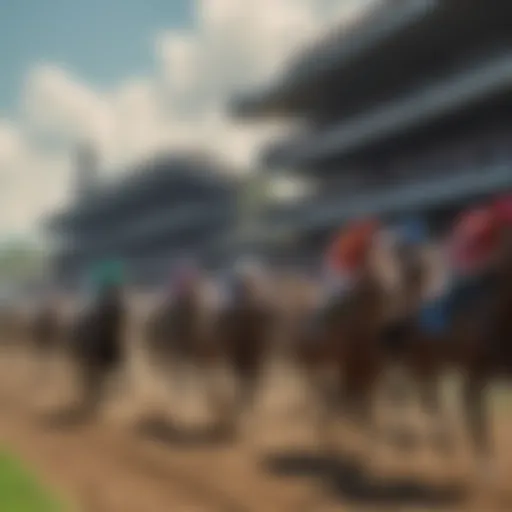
{"type": "Point", "coordinates": [351, 245]}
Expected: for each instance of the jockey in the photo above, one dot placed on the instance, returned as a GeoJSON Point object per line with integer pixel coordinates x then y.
{"type": "Point", "coordinates": [348, 254]}
{"type": "Point", "coordinates": [104, 285]}
{"type": "Point", "coordinates": [107, 275]}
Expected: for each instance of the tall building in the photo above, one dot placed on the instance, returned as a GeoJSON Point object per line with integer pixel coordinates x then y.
{"type": "Point", "coordinates": [406, 112]}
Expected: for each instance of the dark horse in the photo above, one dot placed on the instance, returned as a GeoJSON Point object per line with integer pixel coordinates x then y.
{"type": "Point", "coordinates": [174, 329]}
{"type": "Point", "coordinates": [242, 339]}
{"type": "Point", "coordinates": [96, 345]}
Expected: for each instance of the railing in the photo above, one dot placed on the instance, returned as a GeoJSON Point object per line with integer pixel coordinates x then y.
{"type": "Point", "coordinates": [427, 193]}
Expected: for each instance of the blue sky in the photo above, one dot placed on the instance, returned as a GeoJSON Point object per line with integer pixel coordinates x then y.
{"type": "Point", "coordinates": [135, 77]}
{"type": "Point", "coordinates": [99, 40]}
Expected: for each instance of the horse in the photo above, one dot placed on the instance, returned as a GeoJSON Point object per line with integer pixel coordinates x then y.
{"type": "Point", "coordinates": [467, 329]}
{"type": "Point", "coordinates": [422, 359]}
{"type": "Point", "coordinates": [341, 336]}
{"type": "Point", "coordinates": [95, 345]}
{"type": "Point", "coordinates": [486, 351]}
{"type": "Point", "coordinates": [242, 336]}
{"type": "Point", "coordinates": [178, 337]}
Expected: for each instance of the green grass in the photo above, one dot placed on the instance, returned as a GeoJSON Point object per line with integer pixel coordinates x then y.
{"type": "Point", "coordinates": [20, 491]}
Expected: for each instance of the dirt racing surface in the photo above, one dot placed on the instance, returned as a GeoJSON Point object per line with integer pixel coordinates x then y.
{"type": "Point", "coordinates": [128, 461]}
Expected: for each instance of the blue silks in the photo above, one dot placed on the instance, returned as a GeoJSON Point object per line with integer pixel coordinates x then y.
{"type": "Point", "coordinates": [413, 231]}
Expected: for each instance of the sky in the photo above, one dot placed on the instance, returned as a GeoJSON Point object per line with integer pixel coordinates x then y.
{"type": "Point", "coordinates": [135, 77]}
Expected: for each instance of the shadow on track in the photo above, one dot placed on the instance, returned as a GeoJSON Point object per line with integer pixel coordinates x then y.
{"type": "Point", "coordinates": [349, 482]}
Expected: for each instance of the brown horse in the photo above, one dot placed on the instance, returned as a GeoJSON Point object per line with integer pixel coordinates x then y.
{"type": "Point", "coordinates": [475, 342]}
{"type": "Point", "coordinates": [242, 338]}
{"type": "Point", "coordinates": [421, 358]}
{"type": "Point", "coordinates": [176, 334]}
{"type": "Point", "coordinates": [341, 337]}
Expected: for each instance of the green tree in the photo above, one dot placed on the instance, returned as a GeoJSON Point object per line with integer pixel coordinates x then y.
{"type": "Point", "coordinates": [253, 196]}
{"type": "Point", "coordinates": [20, 261]}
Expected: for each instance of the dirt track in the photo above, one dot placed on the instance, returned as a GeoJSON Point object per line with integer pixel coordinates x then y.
{"type": "Point", "coordinates": [117, 466]}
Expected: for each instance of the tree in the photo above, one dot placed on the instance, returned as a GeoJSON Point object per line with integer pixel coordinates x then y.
{"type": "Point", "coordinates": [20, 261]}
{"type": "Point", "coordinates": [253, 196]}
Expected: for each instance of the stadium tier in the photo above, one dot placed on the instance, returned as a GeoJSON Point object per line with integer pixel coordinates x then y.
{"type": "Point", "coordinates": [406, 111]}
{"type": "Point", "coordinates": [168, 207]}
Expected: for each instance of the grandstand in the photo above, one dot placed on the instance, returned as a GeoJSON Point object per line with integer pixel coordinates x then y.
{"type": "Point", "coordinates": [166, 207]}
{"type": "Point", "coordinates": [407, 112]}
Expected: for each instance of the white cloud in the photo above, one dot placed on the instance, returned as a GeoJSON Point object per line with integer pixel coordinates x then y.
{"type": "Point", "coordinates": [233, 44]}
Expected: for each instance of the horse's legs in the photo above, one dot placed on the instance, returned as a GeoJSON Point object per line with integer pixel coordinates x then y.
{"type": "Point", "coordinates": [92, 381]}
{"type": "Point", "coordinates": [477, 417]}
{"type": "Point", "coordinates": [360, 405]}
{"type": "Point", "coordinates": [326, 398]}
{"type": "Point", "coordinates": [431, 396]}
{"type": "Point", "coordinates": [179, 372]}
{"type": "Point", "coordinates": [216, 396]}
{"type": "Point", "coordinates": [248, 380]}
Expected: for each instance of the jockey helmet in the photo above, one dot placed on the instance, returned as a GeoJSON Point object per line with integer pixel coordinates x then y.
{"type": "Point", "coordinates": [108, 273]}
{"type": "Point", "coordinates": [352, 245]}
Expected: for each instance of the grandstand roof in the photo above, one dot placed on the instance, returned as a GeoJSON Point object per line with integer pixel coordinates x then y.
{"type": "Point", "coordinates": [466, 95]}
{"type": "Point", "coordinates": [382, 56]}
